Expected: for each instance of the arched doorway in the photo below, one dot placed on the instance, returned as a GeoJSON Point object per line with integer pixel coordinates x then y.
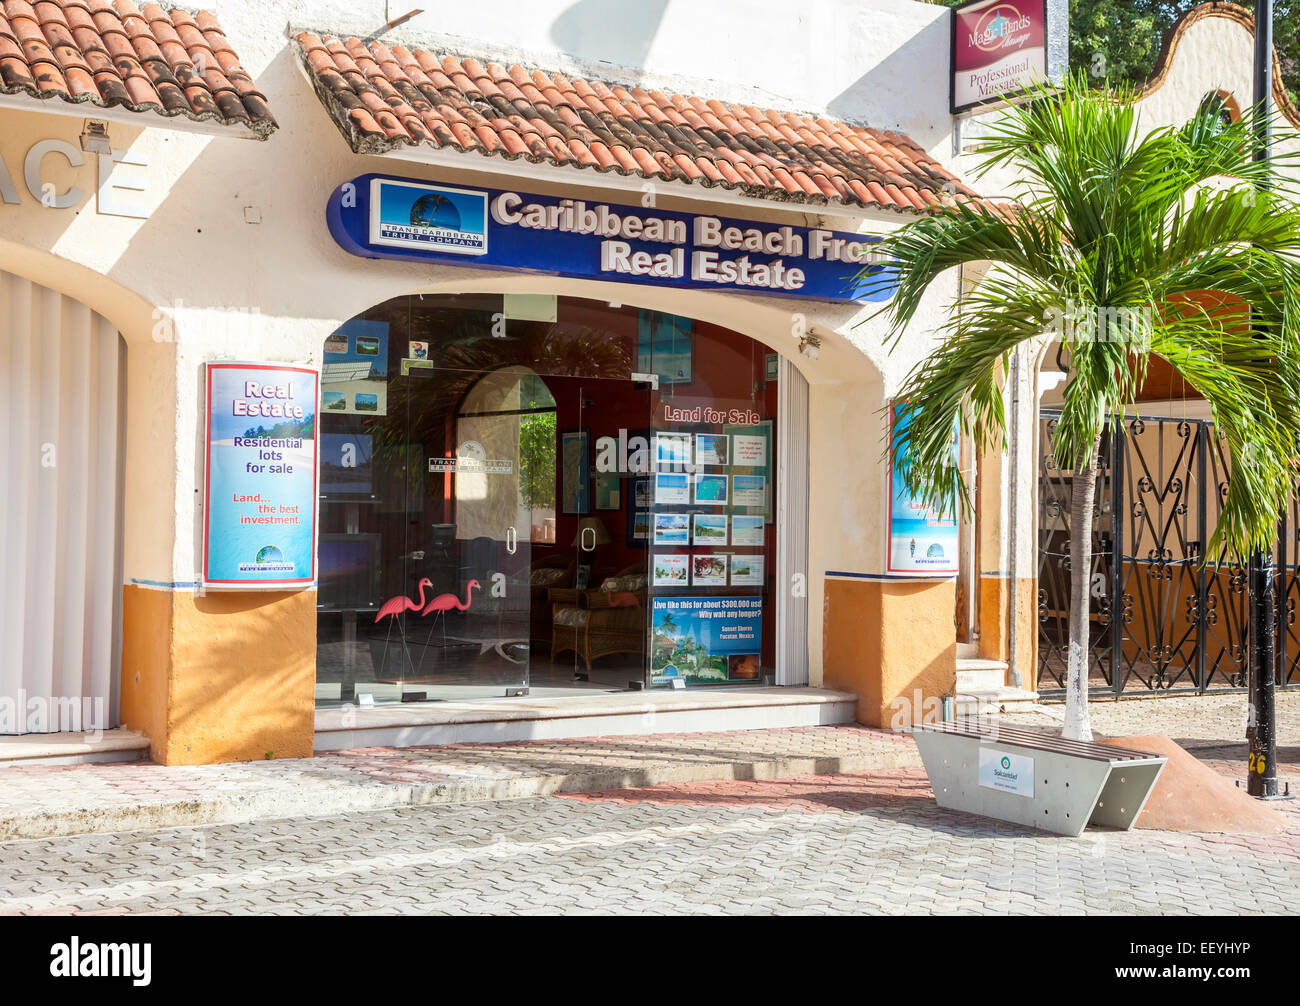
{"type": "Point", "coordinates": [543, 494]}
{"type": "Point", "coordinates": [62, 369]}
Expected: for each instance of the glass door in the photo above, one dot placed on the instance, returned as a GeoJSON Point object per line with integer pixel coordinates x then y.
{"type": "Point", "coordinates": [427, 535]}
{"type": "Point", "coordinates": [599, 625]}
{"type": "Point", "coordinates": [470, 529]}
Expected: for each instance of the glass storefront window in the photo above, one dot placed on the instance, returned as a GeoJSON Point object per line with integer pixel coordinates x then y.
{"type": "Point", "coordinates": [583, 503]}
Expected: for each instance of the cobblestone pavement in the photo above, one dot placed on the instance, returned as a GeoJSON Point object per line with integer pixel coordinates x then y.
{"type": "Point", "coordinates": [40, 800]}
{"type": "Point", "coordinates": [854, 843]}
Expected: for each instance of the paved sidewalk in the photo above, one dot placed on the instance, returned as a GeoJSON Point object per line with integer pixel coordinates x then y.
{"type": "Point", "coordinates": [857, 843]}
{"type": "Point", "coordinates": [40, 801]}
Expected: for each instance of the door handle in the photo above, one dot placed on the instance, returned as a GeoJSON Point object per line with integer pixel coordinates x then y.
{"type": "Point", "coordinates": [585, 546]}
{"type": "Point", "coordinates": [512, 540]}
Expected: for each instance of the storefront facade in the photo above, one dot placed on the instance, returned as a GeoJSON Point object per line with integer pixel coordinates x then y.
{"type": "Point", "coordinates": [537, 468]}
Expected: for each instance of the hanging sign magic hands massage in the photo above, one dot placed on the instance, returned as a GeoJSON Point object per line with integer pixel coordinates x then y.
{"type": "Point", "coordinates": [1001, 49]}
{"type": "Point", "coordinates": [375, 216]}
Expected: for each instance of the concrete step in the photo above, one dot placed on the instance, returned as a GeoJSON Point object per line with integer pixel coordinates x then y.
{"type": "Point", "coordinates": [968, 651]}
{"type": "Point", "coordinates": [978, 674]}
{"type": "Point", "coordinates": [994, 700]}
{"type": "Point", "coordinates": [600, 715]}
{"type": "Point", "coordinates": [73, 748]}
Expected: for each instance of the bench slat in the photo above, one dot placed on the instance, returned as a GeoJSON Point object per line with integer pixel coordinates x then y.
{"type": "Point", "coordinates": [1025, 737]}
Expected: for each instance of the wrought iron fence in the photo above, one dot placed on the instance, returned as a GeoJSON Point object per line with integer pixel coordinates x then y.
{"type": "Point", "coordinates": [1161, 619]}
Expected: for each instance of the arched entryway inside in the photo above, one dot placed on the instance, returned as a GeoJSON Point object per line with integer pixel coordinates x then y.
{"type": "Point", "coordinates": [550, 493]}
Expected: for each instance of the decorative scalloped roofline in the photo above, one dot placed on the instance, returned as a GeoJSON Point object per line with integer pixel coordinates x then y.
{"type": "Point", "coordinates": [1228, 11]}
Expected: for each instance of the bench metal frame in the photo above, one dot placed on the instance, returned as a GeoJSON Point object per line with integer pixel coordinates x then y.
{"type": "Point", "coordinates": [1075, 783]}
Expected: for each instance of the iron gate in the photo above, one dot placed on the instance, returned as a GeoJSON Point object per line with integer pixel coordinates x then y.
{"type": "Point", "coordinates": [1179, 625]}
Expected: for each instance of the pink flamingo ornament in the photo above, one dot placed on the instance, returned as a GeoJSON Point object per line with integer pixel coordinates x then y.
{"type": "Point", "coordinates": [394, 606]}
{"type": "Point", "coordinates": [446, 602]}
{"type": "Point", "coordinates": [440, 605]}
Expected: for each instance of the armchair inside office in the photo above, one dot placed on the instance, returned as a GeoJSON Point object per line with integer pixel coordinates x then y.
{"type": "Point", "coordinates": [585, 502]}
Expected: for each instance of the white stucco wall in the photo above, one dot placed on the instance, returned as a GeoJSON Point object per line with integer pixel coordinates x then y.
{"type": "Point", "coordinates": [196, 281]}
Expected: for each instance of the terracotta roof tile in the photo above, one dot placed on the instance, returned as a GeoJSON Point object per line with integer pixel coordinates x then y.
{"type": "Point", "coordinates": [383, 100]}
{"type": "Point", "coordinates": [143, 59]}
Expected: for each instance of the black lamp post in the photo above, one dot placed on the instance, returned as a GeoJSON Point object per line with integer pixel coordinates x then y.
{"type": "Point", "coordinates": [1262, 777]}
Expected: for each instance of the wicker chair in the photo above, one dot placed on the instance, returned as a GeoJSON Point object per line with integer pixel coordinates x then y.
{"type": "Point", "coordinates": [596, 623]}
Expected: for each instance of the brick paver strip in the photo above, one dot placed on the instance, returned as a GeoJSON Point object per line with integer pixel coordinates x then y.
{"type": "Point", "coordinates": [39, 801]}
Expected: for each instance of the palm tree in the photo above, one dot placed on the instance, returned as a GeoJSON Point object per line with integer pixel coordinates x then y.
{"type": "Point", "coordinates": [1121, 244]}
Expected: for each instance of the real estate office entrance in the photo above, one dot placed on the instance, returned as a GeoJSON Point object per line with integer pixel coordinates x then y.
{"type": "Point", "coordinates": [546, 493]}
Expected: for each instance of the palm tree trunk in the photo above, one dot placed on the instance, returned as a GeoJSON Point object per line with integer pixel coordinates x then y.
{"type": "Point", "coordinates": [1082, 492]}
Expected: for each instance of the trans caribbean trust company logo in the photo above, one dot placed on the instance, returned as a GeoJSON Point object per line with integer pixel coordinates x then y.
{"type": "Point", "coordinates": [269, 559]}
{"type": "Point", "coordinates": [1003, 26]}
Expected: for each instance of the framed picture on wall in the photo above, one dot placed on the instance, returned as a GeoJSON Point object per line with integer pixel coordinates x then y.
{"type": "Point", "coordinates": [575, 473]}
{"type": "Point", "coordinates": [609, 492]}
{"type": "Point", "coordinates": [665, 346]}
{"type": "Point", "coordinates": [638, 527]}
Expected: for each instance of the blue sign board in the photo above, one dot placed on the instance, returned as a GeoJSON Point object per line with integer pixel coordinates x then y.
{"type": "Point", "coordinates": [377, 216]}
{"type": "Point", "coordinates": [259, 512]}
{"type": "Point", "coordinates": [922, 541]}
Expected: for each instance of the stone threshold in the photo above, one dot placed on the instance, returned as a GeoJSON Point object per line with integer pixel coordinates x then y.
{"type": "Point", "coordinates": [605, 714]}
{"type": "Point", "coordinates": [73, 748]}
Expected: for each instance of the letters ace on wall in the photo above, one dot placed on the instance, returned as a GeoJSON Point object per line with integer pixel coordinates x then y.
{"type": "Point", "coordinates": [260, 484]}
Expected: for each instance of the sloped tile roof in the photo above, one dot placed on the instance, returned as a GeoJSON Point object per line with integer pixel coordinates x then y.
{"type": "Point", "coordinates": [384, 99]}
{"type": "Point", "coordinates": [115, 54]}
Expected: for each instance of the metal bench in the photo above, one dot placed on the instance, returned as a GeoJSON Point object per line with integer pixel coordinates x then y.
{"type": "Point", "coordinates": [1034, 778]}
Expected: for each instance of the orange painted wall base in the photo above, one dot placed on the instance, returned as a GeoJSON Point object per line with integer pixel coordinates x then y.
{"type": "Point", "coordinates": [995, 624]}
{"type": "Point", "coordinates": [219, 678]}
{"type": "Point", "coordinates": [893, 643]}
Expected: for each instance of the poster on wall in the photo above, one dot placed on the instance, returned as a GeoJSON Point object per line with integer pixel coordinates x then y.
{"type": "Point", "coordinates": [711, 449]}
{"type": "Point", "coordinates": [747, 531]}
{"type": "Point", "coordinates": [354, 377]}
{"type": "Point", "coordinates": [260, 483]}
{"type": "Point", "coordinates": [672, 528]}
{"type": "Point", "coordinates": [672, 488]}
{"type": "Point", "coordinates": [708, 570]}
{"type": "Point", "coordinates": [671, 570]}
{"type": "Point", "coordinates": [709, 529]}
{"type": "Point", "coordinates": [751, 461]}
{"type": "Point", "coordinates": [609, 492]}
{"type": "Point", "coordinates": [921, 540]}
{"type": "Point", "coordinates": [672, 450]}
{"type": "Point", "coordinates": [704, 640]}
{"type": "Point", "coordinates": [711, 490]}
{"type": "Point", "coordinates": [749, 491]}
{"type": "Point", "coordinates": [747, 571]}
{"type": "Point", "coordinates": [575, 473]}
{"type": "Point", "coordinates": [664, 346]}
